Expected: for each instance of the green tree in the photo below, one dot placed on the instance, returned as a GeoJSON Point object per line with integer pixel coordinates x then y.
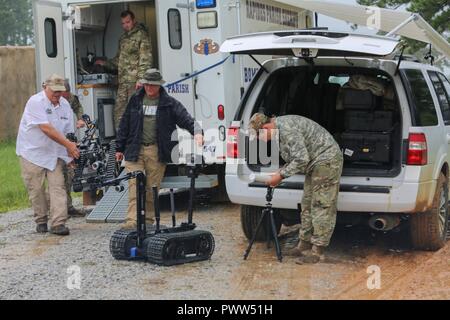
{"type": "Point", "coordinates": [435, 12]}
{"type": "Point", "coordinates": [16, 22]}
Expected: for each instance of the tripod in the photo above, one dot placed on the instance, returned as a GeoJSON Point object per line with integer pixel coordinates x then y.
{"type": "Point", "coordinates": [270, 227]}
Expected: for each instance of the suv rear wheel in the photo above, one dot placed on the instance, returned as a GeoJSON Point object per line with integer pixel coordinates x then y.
{"type": "Point", "coordinates": [249, 220]}
{"type": "Point", "coordinates": [429, 229]}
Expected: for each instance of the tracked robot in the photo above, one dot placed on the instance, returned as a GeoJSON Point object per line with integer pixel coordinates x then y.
{"type": "Point", "coordinates": [161, 245]}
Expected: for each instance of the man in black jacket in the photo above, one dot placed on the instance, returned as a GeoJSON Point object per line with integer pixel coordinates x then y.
{"type": "Point", "coordinates": [145, 136]}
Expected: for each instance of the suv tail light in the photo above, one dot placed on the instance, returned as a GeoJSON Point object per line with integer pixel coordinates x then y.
{"type": "Point", "coordinates": [221, 112]}
{"type": "Point", "coordinates": [417, 150]}
{"type": "Point", "coordinates": [232, 143]}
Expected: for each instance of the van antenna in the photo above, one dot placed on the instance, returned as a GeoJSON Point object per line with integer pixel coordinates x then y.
{"type": "Point", "coordinates": [258, 63]}
{"type": "Point", "coordinates": [400, 59]}
{"type": "Point", "coordinates": [429, 56]}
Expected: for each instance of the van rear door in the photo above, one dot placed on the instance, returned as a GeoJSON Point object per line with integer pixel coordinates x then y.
{"type": "Point", "coordinates": [48, 24]}
{"type": "Point", "coordinates": [175, 49]}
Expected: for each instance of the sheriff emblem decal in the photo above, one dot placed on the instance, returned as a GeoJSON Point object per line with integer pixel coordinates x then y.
{"type": "Point", "coordinates": [206, 47]}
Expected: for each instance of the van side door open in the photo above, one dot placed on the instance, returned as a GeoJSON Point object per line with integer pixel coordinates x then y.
{"type": "Point", "coordinates": [48, 23]}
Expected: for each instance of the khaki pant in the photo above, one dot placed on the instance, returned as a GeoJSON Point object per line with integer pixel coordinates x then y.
{"type": "Point", "coordinates": [34, 178]}
{"type": "Point", "coordinates": [124, 93]}
{"type": "Point", "coordinates": [154, 171]}
{"type": "Point", "coordinates": [319, 202]}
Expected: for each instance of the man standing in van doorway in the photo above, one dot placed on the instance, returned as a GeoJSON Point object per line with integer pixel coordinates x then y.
{"type": "Point", "coordinates": [307, 149]}
{"type": "Point", "coordinates": [133, 58]}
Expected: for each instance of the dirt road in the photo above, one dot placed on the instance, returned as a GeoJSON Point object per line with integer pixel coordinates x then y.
{"type": "Point", "coordinates": [41, 266]}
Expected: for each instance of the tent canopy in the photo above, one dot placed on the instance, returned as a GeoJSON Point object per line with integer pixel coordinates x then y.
{"type": "Point", "coordinates": [407, 24]}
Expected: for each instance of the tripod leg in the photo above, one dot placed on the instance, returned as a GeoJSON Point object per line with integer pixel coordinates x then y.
{"type": "Point", "coordinates": [250, 244]}
{"type": "Point", "coordinates": [268, 227]}
{"type": "Point", "coordinates": [275, 236]}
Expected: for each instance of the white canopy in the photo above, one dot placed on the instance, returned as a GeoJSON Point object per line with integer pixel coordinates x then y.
{"type": "Point", "coordinates": [407, 24]}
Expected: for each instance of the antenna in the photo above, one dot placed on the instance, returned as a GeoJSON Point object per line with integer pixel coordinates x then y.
{"type": "Point", "coordinates": [429, 56]}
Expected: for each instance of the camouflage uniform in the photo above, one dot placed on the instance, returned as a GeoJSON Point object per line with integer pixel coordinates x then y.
{"type": "Point", "coordinates": [75, 104]}
{"type": "Point", "coordinates": [310, 149]}
{"type": "Point", "coordinates": [133, 58]}
{"type": "Point", "coordinates": [69, 173]}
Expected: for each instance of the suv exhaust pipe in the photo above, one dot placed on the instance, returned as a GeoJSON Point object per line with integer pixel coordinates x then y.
{"type": "Point", "coordinates": [384, 222]}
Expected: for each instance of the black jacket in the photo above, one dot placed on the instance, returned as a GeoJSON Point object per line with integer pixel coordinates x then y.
{"type": "Point", "coordinates": [169, 114]}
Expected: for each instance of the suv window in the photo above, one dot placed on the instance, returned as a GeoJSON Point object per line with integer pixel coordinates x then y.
{"type": "Point", "coordinates": [340, 80]}
{"type": "Point", "coordinates": [444, 101]}
{"type": "Point", "coordinates": [424, 112]}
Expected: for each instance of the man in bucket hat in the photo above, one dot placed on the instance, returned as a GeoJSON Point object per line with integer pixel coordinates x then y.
{"type": "Point", "coordinates": [44, 151]}
{"type": "Point", "coordinates": [145, 134]}
{"type": "Point", "coordinates": [311, 150]}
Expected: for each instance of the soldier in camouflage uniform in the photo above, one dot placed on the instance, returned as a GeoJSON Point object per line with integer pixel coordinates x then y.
{"type": "Point", "coordinates": [308, 149]}
{"type": "Point", "coordinates": [69, 171]}
{"type": "Point", "coordinates": [133, 58]}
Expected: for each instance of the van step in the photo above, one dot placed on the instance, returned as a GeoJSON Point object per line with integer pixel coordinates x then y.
{"type": "Point", "coordinates": [112, 208]}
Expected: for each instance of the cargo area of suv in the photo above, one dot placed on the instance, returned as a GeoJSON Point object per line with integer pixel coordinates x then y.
{"type": "Point", "coordinates": [358, 106]}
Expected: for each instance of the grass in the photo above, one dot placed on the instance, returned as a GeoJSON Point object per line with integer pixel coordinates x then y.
{"type": "Point", "coordinates": [13, 195]}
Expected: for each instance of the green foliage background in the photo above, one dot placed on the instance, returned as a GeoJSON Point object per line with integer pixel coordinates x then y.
{"type": "Point", "coordinates": [435, 12]}
{"type": "Point", "coordinates": [16, 23]}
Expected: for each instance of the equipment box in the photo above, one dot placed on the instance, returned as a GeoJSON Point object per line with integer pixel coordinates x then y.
{"type": "Point", "coordinates": [366, 147]}
{"type": "Point", "coordinates": [377, 121]}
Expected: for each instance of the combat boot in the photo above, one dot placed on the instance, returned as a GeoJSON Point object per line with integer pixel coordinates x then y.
{"type": "Point", "coordinates": [60, 230]}
{"type": "Point", "coordinates": [42, 228]}
{"type": "Point", "coordinates": [299, 250]}
{"type": "Point", "coordinates": [317, 254]}
{"type": "Point", "coordinates": [73, 212]}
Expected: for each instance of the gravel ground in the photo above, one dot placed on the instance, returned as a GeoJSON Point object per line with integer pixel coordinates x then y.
{"type": "Point", "coordinates": [35, 266]}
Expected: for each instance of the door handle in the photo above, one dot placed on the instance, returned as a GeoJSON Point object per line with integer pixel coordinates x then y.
{"type": "Point", "coordinates": [195, 88]}
{"type": "Point", "coordinates": [188, 5]}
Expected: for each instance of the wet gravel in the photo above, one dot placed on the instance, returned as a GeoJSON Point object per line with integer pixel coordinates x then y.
{"type": "Point", "coordinates": [36, 266]}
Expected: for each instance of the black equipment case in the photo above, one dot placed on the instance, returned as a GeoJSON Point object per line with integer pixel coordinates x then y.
{"type": "Point", "coordinates": [377, 121]}
{"type": "Point", "coordinates": [366, 147]}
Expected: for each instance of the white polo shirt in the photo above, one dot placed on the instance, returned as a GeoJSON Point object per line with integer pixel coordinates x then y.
{"type": "Point", "coordinates": [32, 143]}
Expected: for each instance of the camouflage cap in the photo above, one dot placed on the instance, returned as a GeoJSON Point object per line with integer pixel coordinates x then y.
{"type": "Point", "coordinates": [152, 76]}
{"type": "Point", "coordinates": [55, 83]}
{"type": "Point", "coordinates": [257, 121]}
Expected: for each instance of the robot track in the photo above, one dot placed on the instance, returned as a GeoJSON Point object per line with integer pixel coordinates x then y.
{"type": "Point", "coordinates": [169, 249]}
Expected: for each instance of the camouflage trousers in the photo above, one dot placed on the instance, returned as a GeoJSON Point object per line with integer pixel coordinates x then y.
{"type": "Point", "coordinates": [124, 93]}
{"type": "Point", "coordinates": [319, 201]}
{"type": "Point", "coordinates": [69, 174]}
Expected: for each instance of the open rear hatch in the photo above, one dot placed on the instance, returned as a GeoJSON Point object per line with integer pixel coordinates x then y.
{"type": "Point", "coordinates": [395, 22]}
{"type": "Point", "coordinates": [367, 126]}
{"type": "Point", "coordinates": [310, 44]}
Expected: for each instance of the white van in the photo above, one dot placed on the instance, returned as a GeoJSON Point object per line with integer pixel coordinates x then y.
{"type": "Point", "coordinates": [185, 37]}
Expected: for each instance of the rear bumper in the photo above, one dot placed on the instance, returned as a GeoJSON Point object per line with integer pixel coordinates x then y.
{"type": "Point", "coordinates": [405, 198]}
